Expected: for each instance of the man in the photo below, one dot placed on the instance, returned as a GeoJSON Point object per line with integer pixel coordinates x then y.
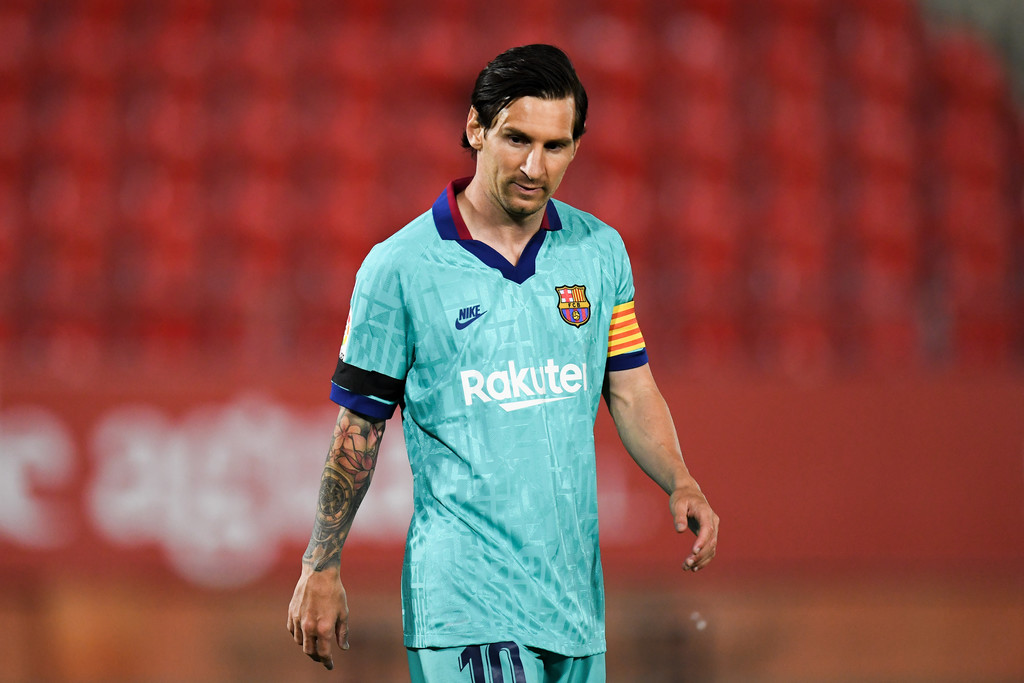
{"type": "Point", "coordinates": [497, 319]}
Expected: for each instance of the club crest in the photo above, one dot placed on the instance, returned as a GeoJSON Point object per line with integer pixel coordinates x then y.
{"type": "Point", "coordinates": [573, 304]}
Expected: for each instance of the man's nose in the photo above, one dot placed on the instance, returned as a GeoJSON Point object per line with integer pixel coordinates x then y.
{"type": "Point", "coordinates": [533, 165]}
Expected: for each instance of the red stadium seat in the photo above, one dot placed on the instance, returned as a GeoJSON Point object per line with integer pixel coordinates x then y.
{"type": "Point", "coordinates": [70, 349]}
{"type": "Point", "coordinates": [710, 285]}
{"type": "Point", "coordinates": [70, 205]}
{"type": "Point", "coordinates": [167, 126]}
{"type": "Point", "coordinates": [77, 124]}
{"type": "Point", "coordinates": [357, 53]}
{"type": "Point", "coordinates": [161, 206]}
{"type": "Point", "coordinates": [889, 344]}
{"type": "Point", "coordinates": [795, 346]}
{"type": "Point", "coordinates": [81, 43]}
{"type": "Point", "coordinates": [268, 45]}
{"type": "Point", "coordinates": [353, 215]}
{"type": "Point", "coordinates": [711, 345]}
{"type": "Point", "coordinates": [982, 341]}
{"type": "Point", "coordinates": [703, 213]}
{"type": "Point", "coordinates": [623, 199]}
{"type": "Point", "coordinates": [256, 211]}
{"type": "Point", "coordinates": [15, 122]}
{"type": "Point", "coordinates": [605, 141]}
{"type": "Point", "coordinates": [167, 280]}
{"type": "Point", "coordinates": [705, 132]}
{"type": "Point", "coordinates": [246, 300]}
{"type": "Point", "coordinates": [12, 220]}
{"type": "Point", "coordinates": [896, 12]}
{"type": "Point", "coordinates": [701, 58]}
{"type": "Point", "coordinates": [972, 141]}
{"type": "Point", "coordinates": [435, 53]}
{"type": "Point", "coordinates": [12, 245]}
{"type": "Point", "coordinates": [265, 133]}
{"type": "Point", "coordinates": [795, 58]}
{"type": "Point", "coordinates": [69, 283]}
{"type": "Point", "coordinates": [178, 48]}
{"type": "Point", "coordinates": [886, 286]}
{"type": "Point", "coordinates": [797, 138]}
{"type": "Point", "coordinates": [613, 50]}
{"type": "Point", "coordinates": [881, 57]}
{"type": "Point", "coordinates": [887, 215]}
{"type": "Point", "coordinates": [17, 43]}
{"type": "Point", "coordinates": [977, 283]}
{"type": "Point", "coordinates": [807, 11]}
{"type": "Point", "coordinates": [975, 216]}
{"type": "Point", "coordinates": [724, 11]}
{"type": "Point", "coordinates": [884, 137]}
{"type": "Point", "coordinates": [967, 70]}
{"type": "Point", "coordinates": [356, 131]}
{"type": "Point", "coordinates": [799, 220]}
{"type": "Point", "coordinates": [792, 283]}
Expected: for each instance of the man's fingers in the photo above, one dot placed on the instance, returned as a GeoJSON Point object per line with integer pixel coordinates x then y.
{"type": "Point", "coordinates": [341, 633]}
{"type": "Point", "coordinates": [316, 648]}
{"type": "Point", "coordinates": [307, 640]}
{"type": "Point", "coordinates": [706, 523]}
{"type": "Point", "coordinates": [323, 653]}
{"type": "Point", "coordinates": [706, 530]}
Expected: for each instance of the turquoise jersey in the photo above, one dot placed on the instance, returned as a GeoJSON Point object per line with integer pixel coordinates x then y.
{"type": "Point", "coordinates": [499, 371]}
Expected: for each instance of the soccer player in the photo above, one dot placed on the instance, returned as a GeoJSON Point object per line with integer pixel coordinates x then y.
{"type": "Point", "coordinates": [497, 319]}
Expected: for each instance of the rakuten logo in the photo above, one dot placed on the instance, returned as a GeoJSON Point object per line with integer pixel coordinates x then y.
{"type": "Point", "coordinates": [520, 388]}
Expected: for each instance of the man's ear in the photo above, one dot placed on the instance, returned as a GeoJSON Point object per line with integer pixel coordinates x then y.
{"type": "Point", "coordinates": [474, 130]}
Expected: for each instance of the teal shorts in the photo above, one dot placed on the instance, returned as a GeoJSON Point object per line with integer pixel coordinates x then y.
{"type": "Point", "coordinates": [501, 663]}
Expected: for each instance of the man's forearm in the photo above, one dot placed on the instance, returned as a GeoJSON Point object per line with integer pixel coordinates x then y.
{"type": "Point", "coordinates": [645, 426]}
{"type": "Point", "coordinates": [346, 478]}
{"type": "Point", "coordinates": [650, 438]}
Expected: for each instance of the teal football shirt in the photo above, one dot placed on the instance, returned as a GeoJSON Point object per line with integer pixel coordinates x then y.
{"type": "Point", "coordinates": [499, 370]}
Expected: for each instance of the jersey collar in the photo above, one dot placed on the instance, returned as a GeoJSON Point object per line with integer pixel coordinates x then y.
{"type": "Point", "coordinates": [451, 226]}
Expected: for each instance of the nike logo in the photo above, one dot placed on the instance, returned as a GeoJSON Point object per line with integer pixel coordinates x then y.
{"type": "Point", "coordinates": [467, 316]}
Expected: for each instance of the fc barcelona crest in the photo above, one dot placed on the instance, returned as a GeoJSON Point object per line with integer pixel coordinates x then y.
{"type": "Point", "coordinates": [573, 304]}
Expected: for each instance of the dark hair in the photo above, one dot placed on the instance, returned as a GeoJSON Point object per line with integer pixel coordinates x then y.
{"type": "Point", "coordinates": [541, 71]}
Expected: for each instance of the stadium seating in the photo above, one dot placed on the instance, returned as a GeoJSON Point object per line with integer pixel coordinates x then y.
{"type": "Point", "coordinates": [801, 184]}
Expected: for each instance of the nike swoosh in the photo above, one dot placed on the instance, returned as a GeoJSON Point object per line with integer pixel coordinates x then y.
{"type": "Point", "coordinates": [461, 324]}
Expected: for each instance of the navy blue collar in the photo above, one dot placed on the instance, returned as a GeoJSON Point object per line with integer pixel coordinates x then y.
{"type": "Point", "coordinates": [451, 226]}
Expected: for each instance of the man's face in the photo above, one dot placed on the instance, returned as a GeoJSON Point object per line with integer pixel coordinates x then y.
{"type": "Point", "coordinates": [522, 157]}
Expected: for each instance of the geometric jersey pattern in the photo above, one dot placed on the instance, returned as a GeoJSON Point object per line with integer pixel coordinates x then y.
{"type": "Point", "coordinates": [500, 388]}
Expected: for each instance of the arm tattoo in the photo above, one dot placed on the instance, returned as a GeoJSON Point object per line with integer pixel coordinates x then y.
{"type": "Point", "coordinates": [346, 478]}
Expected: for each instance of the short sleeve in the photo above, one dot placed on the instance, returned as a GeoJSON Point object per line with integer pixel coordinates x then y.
{"type": "Point", "coordinates": [626, 346]}
{"type": "Point", "coordinates": [375, 354]}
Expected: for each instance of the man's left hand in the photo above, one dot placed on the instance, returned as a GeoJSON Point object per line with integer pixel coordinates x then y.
{"type": "Point", "coordinates": [690, 510]}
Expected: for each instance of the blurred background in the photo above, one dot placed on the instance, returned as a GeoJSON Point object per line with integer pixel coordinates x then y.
{"type": "Point", "coordinates": [823, 204]}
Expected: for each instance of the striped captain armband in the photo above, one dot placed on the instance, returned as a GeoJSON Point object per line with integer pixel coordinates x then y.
{"type": "Point", "coordinates": [626, 347]}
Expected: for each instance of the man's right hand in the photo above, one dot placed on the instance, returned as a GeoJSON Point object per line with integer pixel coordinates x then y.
{"type": "Point", "coordinates": [318, 614]}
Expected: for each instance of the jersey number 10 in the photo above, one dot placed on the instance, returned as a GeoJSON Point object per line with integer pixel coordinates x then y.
{"type": "Point", "coordinates": [473, 657]}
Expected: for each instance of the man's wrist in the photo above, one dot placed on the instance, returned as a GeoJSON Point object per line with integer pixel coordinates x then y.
{"type": "Point", "coordinates": [686, 485]}
{"type": "Point", "coordinates": [318, 561]}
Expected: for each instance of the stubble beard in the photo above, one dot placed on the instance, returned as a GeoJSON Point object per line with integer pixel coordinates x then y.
{"type": "Point", "coordinates": [514, 206]}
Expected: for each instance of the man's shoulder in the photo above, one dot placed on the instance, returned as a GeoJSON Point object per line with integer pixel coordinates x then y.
{"type": "Point", "coordinates": [404, 245]}
{"type": "Point", "coordinates": [578, 224]}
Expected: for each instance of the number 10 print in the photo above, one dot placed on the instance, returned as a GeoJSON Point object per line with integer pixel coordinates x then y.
{"type": "Point", "coordinates": [473, 657]}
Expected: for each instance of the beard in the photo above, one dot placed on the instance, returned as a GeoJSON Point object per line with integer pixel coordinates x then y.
{"type": "Point", "coordinates": [519, 204]}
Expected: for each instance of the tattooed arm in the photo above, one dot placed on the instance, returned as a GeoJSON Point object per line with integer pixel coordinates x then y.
{"type": "Point", "coordinates": [318, 612]}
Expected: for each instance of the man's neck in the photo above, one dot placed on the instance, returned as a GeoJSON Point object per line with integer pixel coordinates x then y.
{"type": "Point", "coordinates": [489, 224]}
